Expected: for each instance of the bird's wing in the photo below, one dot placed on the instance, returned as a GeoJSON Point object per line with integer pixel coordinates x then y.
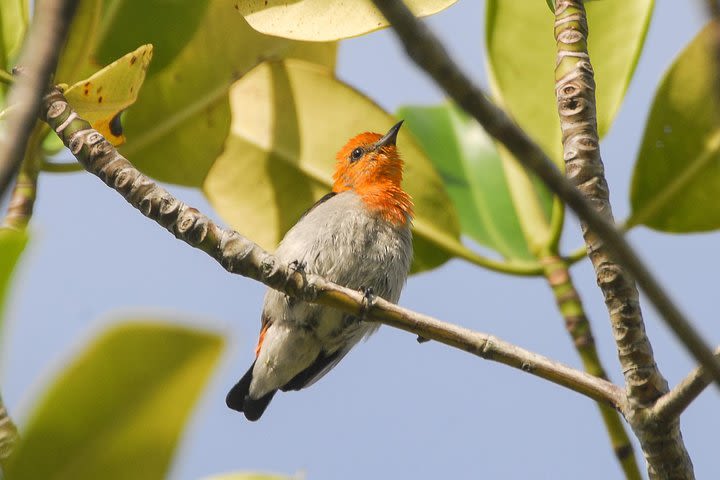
{"type": "Point", "coordinates": [324, 199]}
{"type": "Point", "coordinates": [322, 365]}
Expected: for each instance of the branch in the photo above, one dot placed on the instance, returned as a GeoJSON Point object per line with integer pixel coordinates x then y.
{"type": "Point", "coordinates": [39, 58]}
{"type": "Point", "coordinates": [239, 255]}
{"type": "Point", "coordinates": [578, 326]}
{"type": "Point", "coordinates": [425, 49]}
{"type": "Point", "coordinates": [575, 90]}
{"type": "Point", "coordinates": [673, 403]}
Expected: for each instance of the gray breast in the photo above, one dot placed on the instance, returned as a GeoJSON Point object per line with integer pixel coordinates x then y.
{"type": "Point", "coordinates": [349, 245]}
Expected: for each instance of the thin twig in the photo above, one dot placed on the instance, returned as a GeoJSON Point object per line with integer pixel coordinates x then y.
{"type": "Point", "coordinates": [424, 48]}
{"type": "Point", "coordinates": [673, 403]}
{"type": "Point", "coordinates": [38, 59]}
{"type": "Point", "coordinates": [239, 255]}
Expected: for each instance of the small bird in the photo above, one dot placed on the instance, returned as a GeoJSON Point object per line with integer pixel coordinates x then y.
{"type": "Point", "coordinates": [357, 236]}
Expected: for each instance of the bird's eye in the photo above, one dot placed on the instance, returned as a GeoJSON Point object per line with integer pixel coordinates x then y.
{"type": "Point", "coordinates": [356, 154]}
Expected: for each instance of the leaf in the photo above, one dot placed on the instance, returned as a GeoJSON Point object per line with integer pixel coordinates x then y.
{"type": "Point", "coordinates": [289, 120]}
{"type": "Point", "coordinates": [101, 98]}
{"type": "Point", "coordinates": [676, 181]}
{"type": "Point", "coordinates": [472, 172]}
{"type": "Point", "coordinates": [13, 25]}
{"type": "Point", "coordinates": [521, 51]}
{"type": "Point", "coordinates": [324, 20]}
{"type": "Point", "coordinates": [168, 25]}
{"type": "Point", "coordinates": [12, 244]}
{"type": "Point", "coordinates": [75, 60]}
{"type": "Point", "coordinates": [118, 409]}
{"type": "Point", "coordinates": [181, 120]}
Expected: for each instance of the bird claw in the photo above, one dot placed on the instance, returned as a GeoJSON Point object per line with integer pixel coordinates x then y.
{"type": "Point", "coordinates": [421, 339]}
{"type": "Point", "coordinates": [367, 302]}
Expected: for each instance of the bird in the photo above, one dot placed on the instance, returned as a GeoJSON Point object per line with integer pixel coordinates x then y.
{"type": "Point", "coordinates": [358, 236]}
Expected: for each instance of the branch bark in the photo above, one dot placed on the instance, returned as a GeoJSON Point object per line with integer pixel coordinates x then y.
{"type": "Point", "coordinates": [239, 255]}
{"type": "Point", "coordinates": [578, 326]}
{"type": "Point", "coordinates": [38, 59]}
{"type": "Point", "coordinates": [673, 403]}
{"type": "Point", "coordinates": [575, 91]}
{"type": "Point", "coordinates": [427, 52]}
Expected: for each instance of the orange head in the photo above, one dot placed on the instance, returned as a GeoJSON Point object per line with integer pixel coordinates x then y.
{"type": "Point", "coordinates": [370, 165]}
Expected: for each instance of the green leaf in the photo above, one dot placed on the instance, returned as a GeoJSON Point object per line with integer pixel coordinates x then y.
{"type": "Point", "coordinates": [12, 244]}
{"type": "Point", "coordinates": [13, 25]}
{"type": "Point", "coordinates": [76, 60]}
{"type": "Point", "coordinates": [289, 120]}
{"type": "Point", "coordinates": [472, 172]}
{"type": "Point", "coordinates": [178, 127]}
{"type": "Point", "coordinates": [521, 51]}
{"type": "Point", "coordinates": [168, 25]}
{"type": "Point", "coordinates": [101, 98]}
{"type": "Point", "coordinates": [118, 409]}
{"type": "Point", "coordinates": [676, 182]}
{"type": "Point", "coordinates": [324, 20]}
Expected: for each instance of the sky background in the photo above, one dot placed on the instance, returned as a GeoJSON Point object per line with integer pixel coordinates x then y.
{"type": "Point", "coordinates": [393, 408]}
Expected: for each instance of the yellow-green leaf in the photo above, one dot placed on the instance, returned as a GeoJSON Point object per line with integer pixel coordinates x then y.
{"type": "Point", "coordinates": [13, 25]}
{"type": "Point", "coordinates": [117, 410]}
{"type": "Point", "coordinates": [101, 98]}
{"type": "Point", "coordinates": [676, 182]}
{"type": "Point", "coordinates": [12, 244]}
{"type": "Point", "coordinates": [181, 120]}
{"type": "Point", "coordinates": [289, 119]}
{"type": "Point", "coordinates": [324, 20]}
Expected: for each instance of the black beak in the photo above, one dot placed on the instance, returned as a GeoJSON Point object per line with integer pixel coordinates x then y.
{"type": "Point", "coordinates": [390, 137]}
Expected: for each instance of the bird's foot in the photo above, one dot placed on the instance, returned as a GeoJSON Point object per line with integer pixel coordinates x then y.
{"type": "Point", "coordinates": [367, 302]}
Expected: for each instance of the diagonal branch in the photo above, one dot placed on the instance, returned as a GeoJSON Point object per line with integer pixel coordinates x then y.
{"type": "Point", "coordinates": [38, 60]}
{"type": "Point", "coordinates": [673, 403]}
{"type": "Point", "coordinates": [239, 255]}
{"type": "Point", "coordinates": [425, 49]}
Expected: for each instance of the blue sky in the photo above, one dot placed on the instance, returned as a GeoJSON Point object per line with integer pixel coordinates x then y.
{"type": "Point", "coordinates": [393, 408]}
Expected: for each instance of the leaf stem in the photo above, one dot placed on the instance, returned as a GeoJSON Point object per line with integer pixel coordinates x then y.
{"type": "Point", "coordinates": [578, 326]}
{"type": "Point", "coordinates": [6, 78]}
{"type": "Point", "coordinates": [56, 167]}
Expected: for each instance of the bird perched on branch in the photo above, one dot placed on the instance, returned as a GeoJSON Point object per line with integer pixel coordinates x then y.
{"type": "Point", "coordinates": [357, 236]}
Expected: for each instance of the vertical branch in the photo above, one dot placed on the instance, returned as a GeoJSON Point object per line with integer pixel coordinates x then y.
{"type": "Point", "coordinates": [578, 326]}
{"type": "Point", "coordinates": [575, 90]}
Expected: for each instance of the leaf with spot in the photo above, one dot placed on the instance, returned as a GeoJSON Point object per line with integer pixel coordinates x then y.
{"type": "Point", "coordinates": [117, 409]}
{"type": "Point", "coordinates": [324, 20]}
{"type": "Point", "coordinates": [101, 98]}
{"type": "Point", "coordinates": [676, 181]}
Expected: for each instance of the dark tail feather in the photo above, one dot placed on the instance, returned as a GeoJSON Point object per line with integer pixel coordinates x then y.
{"type": "Point", "coordinates": [238, 398]}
